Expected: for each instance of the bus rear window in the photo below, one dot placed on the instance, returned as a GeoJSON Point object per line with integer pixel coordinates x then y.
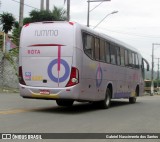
{"type": "Point", "coordinates": [88, 43]}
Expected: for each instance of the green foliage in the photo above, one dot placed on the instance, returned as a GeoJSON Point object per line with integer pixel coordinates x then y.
{"type": "Point", "coordinates": [16, 34]}
{"type": "Point", "coordinates": [7, 21]}
{"type": "Point", "coordinates": [27, 20]}
{"type": "Point", "coordinates": [44, 15]}
{"type": "Point", "coordinates": [155, 82]}
{"type": "Point", "coordinates": [57, 14]}
{"type": "Point", "coordinates": [16, 24]}
{"type": "Point", "coordinates": [10, 56]}
{"type": "Point", "coordinates": [13, 52]}
{"type": "Point", "coordinates": [1, 42]}
{"type": "Point", "coordinates": [158, 83]}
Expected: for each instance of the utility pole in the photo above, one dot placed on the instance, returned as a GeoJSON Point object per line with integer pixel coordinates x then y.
{"type": "Point", "coordinates": [152, 84]}
{"type": "Point", "coordinates": [158, 68]}
{"type": "Point", "coordinates": [68, 10]}
{"type": "Point", "coordinates": [21, 10]}
{"type": "Point", "coordinates": [152, 75]}
{"type": "Point", "coordinates": [157, 75]}
{"type": "Point", "coordinates": [89, 8]}
{"type": "Point", "coordinates": [158, 83]}
{"type": "Point", "coordinates": [42, 5]}
{"type": "Point", "coordinates": [47, 5]}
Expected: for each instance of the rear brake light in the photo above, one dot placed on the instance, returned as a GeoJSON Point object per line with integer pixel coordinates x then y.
{"type": "Point", "coordinates": [71, 23]}
{"type": "Point", "coordinates": [26, 25]}
{"type": "Point", "coordinates": [21, 80]}
{"type": "Point", "coordinates": [74, 77]}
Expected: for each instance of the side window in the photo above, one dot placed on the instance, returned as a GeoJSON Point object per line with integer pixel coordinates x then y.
{"type": "Point", "coordinates": [126, 57]}
{"type": "Point", "coordinates": [143, 72]}
{"type": "Point", "coordinates": [102, 50]}
{"type": "Point", "coordinates": [88, 42]}
{"type": "Point", "coordinates": [130, 58]}
{"type": "Point", "coordinates": [133, 59]}
{"type": "Point", "coordinates": [97, 49]}
{"type": "Point", "coordinates": [107, 52]}
{"type": "Point", "coordinates": [122, 56]}
{"type": "Point", "coordinates": [118, 55]}
{"type": "Point", "coordinates": [113, 54]}
{"type": "Point", "coordinates": [137, 61]}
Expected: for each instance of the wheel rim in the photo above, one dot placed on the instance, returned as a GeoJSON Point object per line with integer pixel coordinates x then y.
{"type": "Point", "coordinates": [107, 99]}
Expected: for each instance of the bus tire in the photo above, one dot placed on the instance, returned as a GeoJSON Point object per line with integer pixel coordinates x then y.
{"type": "Point", "coordinates": [132, 100]}
{"type": "Point", "coordinates": [64, 102]}
{"type": "Point", "coordinates": [105, 104]}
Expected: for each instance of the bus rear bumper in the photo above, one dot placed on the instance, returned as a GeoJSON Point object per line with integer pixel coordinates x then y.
{"type": "Point", "coordinates": [49, 93]}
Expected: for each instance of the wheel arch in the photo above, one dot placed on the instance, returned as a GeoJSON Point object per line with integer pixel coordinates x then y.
{"type": "Point", "coordinates": [110, 87]}
{"type": "Point", "coordinates": [137, 90]}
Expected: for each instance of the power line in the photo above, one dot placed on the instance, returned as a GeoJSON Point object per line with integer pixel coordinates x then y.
{"type": "Point", "coordinates": [132, 34]}
{"type": "Point", "coordinates": [26, 5]}
{"type": "Point", "coordinates": [96, 6]}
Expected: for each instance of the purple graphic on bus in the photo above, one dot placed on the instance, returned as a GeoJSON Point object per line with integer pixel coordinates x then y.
{"type": "Point", "coordinates": [99, 76]}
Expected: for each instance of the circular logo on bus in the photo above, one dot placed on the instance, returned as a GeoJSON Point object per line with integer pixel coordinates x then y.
{"type": "Point", "coordinates": [57, 78]}
{"type": "Point", "coordinates": [99, 76]}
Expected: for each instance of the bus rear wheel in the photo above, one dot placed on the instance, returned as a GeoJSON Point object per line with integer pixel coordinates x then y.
{"type": "Point", "coordinates": [64, 102]}
{"type": "Point", "coordinates": [105, 104]}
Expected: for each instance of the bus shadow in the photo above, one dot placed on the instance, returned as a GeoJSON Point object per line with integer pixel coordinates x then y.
{"type": "Point", "coordinates": [80, 108]}
{"type": "Point", "coordinates": [75, 109]}
{"type": "Point", "coordinates": [119, 103]}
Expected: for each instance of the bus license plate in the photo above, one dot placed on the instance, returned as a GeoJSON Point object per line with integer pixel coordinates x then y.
{"type": "Point", "coordinates": [44, 92]}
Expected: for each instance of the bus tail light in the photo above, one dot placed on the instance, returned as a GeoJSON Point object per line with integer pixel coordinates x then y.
{"type": "Point", "coordinates": [74, 77]}
{"type": "Point", "coordinates": [21, 80]}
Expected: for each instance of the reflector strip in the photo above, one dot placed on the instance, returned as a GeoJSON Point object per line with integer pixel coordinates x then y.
{"type": "Point", "coordinates": [40, 45]}
{"type": "Point", "coordinates": [52, 96]}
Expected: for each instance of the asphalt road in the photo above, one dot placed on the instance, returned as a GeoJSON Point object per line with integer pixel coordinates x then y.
{"type": "Point", "coordinates": [18, 115]}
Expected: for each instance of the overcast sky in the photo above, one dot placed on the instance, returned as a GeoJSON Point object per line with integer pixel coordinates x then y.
{"type": "Point", "coordinates": [137, 22]}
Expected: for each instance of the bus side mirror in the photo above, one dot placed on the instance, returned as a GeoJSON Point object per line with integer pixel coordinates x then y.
{"type": "Point", "coordinates": [144, 60]}
{"type": "Point", "coordinates": [147, 67]}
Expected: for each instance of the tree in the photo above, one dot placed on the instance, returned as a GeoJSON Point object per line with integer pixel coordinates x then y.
{"type": "Point", "coordinates": [7, 20]}
{"type": "Point", "coordinates": [1, 41]}
{"type": "Point", "coordinates": [37, 16]}
{"type": "Point", "coordinates": [57, 14]}
{"type": "Point", "coordinates": [16, 34]}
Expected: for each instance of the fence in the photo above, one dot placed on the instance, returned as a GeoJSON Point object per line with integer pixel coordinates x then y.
{"type": "Point", "coordinates": [8, 71]}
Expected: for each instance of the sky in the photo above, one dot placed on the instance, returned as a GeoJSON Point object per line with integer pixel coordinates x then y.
{"type": "Point", "coordinates": [137, 22]}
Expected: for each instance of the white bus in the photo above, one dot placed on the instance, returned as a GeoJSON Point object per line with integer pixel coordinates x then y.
{"type": "Point", "coordinates": [68, 62]}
